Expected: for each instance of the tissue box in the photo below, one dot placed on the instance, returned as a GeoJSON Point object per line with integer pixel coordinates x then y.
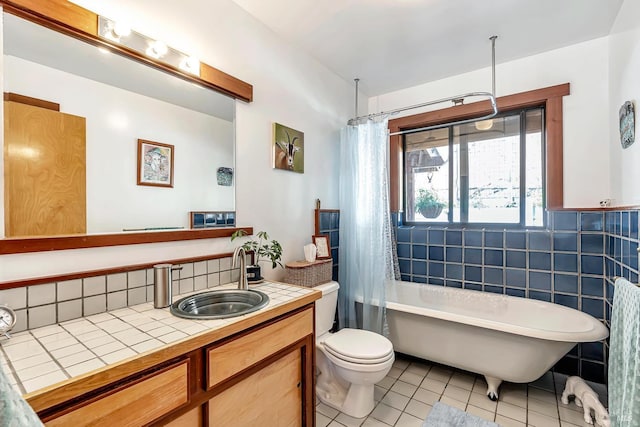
{"type": "Point", "coordinates": [308, 274]}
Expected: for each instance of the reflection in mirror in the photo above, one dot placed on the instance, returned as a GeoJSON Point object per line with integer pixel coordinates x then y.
{"type": "Point", "coordinates": [122, 101]}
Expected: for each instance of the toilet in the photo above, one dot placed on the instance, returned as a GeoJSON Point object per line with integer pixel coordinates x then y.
{"type": "Point", "coordinates": [349, 362]}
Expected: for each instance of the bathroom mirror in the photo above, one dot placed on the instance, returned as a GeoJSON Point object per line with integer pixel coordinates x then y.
{"type": "Point", "coordinates": [124, 101]}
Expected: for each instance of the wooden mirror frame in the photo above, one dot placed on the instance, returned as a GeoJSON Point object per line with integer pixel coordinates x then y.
{"type": "Point", "coordinates": [70, 19]}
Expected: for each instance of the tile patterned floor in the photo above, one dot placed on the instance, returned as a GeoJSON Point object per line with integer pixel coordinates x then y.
{"type": "Point", "coordinates": [405, 396]}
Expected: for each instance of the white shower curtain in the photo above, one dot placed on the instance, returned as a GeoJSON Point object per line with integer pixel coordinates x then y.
{"type": "Point", "coordinates": [367, 247]}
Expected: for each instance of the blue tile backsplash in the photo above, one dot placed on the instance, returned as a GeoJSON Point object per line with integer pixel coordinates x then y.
{"type": "Point", "coordinates": [571, 263]}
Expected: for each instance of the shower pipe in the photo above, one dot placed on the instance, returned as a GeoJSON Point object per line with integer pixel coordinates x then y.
{"type": "Point", "coordinates": [458, 99]}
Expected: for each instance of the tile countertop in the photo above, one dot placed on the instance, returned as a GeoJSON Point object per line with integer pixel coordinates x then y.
{"type": "Point", "coordinates": [40, 357]}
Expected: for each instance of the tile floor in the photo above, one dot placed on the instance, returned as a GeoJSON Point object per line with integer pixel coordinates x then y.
{"type": "Point", "coordinates": [405, 396]}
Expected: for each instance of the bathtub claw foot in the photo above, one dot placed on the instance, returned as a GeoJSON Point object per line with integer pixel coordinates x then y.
{"type": "Point", "coordinates": [492, 387]}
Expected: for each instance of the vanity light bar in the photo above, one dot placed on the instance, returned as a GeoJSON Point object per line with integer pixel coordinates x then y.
{"type": "Point", "coordinates": [157, 49]}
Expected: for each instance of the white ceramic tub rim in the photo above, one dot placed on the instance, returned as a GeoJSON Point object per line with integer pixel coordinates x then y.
{"type": "Point", "coordinates": [594, 330]}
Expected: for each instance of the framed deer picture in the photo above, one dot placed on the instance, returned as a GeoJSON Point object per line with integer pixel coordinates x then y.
{"type": "Point", "coordinates": [288, 148]}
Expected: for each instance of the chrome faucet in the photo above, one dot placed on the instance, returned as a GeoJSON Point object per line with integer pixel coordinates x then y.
{"type": "Point", "coordinates": [243, 283]}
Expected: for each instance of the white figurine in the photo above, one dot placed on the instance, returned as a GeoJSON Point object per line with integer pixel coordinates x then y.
{"type": "Point", "coordinates": [586, 399]}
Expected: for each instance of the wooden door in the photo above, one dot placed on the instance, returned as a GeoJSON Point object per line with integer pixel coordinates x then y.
{"type": "Point", "coordinates": [44, 171]}
{"type": "Point", "coordinates": [270, 397]}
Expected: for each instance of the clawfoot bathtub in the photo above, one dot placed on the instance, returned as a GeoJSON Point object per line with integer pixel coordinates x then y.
{"type": "Point", "coordinates": [501, 337]}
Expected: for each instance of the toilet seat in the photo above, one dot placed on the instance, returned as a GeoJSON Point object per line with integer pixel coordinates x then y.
{"type": "Point", "coordinates": [359, 347]}
{"type": "Point", "coordinates": [359, 361]}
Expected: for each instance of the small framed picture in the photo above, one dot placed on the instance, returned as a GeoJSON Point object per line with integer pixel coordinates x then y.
{"type": "Point", "coordinates": [155, 164]}
{"type": "Point", "coordinates": [322, 246]}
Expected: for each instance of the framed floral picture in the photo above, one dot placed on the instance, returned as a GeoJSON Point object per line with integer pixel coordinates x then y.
{"type": "Point", "coordinates": [155, 163]}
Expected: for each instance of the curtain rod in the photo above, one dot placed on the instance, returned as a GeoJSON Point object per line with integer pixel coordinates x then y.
{"type": "Point", "coordinates": [458, 99]}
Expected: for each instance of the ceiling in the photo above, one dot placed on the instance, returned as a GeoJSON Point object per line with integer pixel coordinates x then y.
{"type": "Point", "coordinates": [395, 44]}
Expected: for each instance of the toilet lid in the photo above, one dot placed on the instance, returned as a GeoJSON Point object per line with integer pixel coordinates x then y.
{"type": "Point", "coordinates": [356, 345]}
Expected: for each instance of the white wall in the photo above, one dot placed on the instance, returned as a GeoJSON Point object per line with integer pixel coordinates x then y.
{"type": "Point", "coordinates": [289, 87]}
{"type": "Point", "coordinates": [624, 85]}
{"type": "Point", "coordinates": [586, 112]}
{"type": "Point", "coordinates": [115, 120]}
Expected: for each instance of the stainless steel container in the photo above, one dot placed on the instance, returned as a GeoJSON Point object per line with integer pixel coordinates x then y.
{"type": "Point", "coordinates": [162, 285]}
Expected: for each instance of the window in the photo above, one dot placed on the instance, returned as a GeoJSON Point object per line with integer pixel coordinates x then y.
{"type": "Point", "coordinates": [458, 163]}
{"type": "Point", "coordinates": [484, 172]}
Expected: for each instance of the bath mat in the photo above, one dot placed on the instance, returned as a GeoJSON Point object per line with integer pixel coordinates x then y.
{"type": "Point", "coordinates": [442, 415]}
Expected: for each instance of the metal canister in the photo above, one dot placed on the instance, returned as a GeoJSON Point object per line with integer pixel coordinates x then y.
{"type": "Point", "coordinates": [162, 285]}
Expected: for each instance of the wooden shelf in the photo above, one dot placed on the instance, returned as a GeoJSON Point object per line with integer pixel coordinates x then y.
{"type": "Point", "coordinates": [83, 241]}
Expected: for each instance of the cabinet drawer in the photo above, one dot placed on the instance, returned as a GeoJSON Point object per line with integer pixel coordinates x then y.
{"type": "Point", "coordinates": [136, 404]}
{"type": "Point", "coordinates": [228, 359]}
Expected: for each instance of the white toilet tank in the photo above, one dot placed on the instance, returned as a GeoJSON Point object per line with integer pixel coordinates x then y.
{"type": "Point", "coordinates": [326, 307]}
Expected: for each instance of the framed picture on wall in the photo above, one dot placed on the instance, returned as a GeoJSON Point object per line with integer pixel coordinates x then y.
{"type": "Point", "coordinates": [288, 148]}
{"type": "Point", "coordinates": [155, 164]}
{"type": "Point", "coordinates": [322, 246]}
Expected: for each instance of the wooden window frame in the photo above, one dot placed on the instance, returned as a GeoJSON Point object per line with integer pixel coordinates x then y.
{"type": "Point", "coordinates": [550, 98]}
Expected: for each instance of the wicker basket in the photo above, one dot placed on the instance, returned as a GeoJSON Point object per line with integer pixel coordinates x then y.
{"type": "Point", "coordinates": [308, 274]}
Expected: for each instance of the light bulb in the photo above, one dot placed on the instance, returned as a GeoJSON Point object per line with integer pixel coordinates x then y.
{"type": "Point", "coordinates": [484, 124]}
{"type": "Point", "coordinates": [190, 65]}
{"type": "Point", "coordinates": [121, 29]}
{"type": "Point", "coordinates": [157, 49]}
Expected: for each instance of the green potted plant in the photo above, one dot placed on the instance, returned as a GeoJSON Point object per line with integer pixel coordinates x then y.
{"type": "Point", "coordinates": [428, 204]}
{"type": "Point", "coordinates": [264, 249]}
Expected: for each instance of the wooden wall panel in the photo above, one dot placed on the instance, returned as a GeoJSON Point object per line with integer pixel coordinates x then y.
{"type": "Point", "coordinates": [45, 172]}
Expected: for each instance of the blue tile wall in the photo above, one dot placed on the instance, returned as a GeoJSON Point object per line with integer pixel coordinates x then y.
{"type": "Point", "coordinates": [329, 225]}
{"type": "Point", "coordinates": [571, 263]}
{"type": "Point", "coordinates": [620, 234]}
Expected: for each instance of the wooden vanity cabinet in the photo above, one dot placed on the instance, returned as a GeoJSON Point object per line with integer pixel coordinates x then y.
{"type": "Point", "coordinates": [261, 376]}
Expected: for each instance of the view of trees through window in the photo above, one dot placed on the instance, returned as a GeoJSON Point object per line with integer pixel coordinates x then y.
{"type": "Point", "coordinates": [485, 172]}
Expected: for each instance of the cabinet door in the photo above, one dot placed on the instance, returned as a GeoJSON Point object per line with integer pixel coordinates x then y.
{"type": "Point", "coordinates": [193, 418]}
{"type": "Point", "coordinates": [133, 405]}
{"type": "Point", "coordinates": [270, 397]}
{"type": "Point", "coordinates": [227, 360]}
